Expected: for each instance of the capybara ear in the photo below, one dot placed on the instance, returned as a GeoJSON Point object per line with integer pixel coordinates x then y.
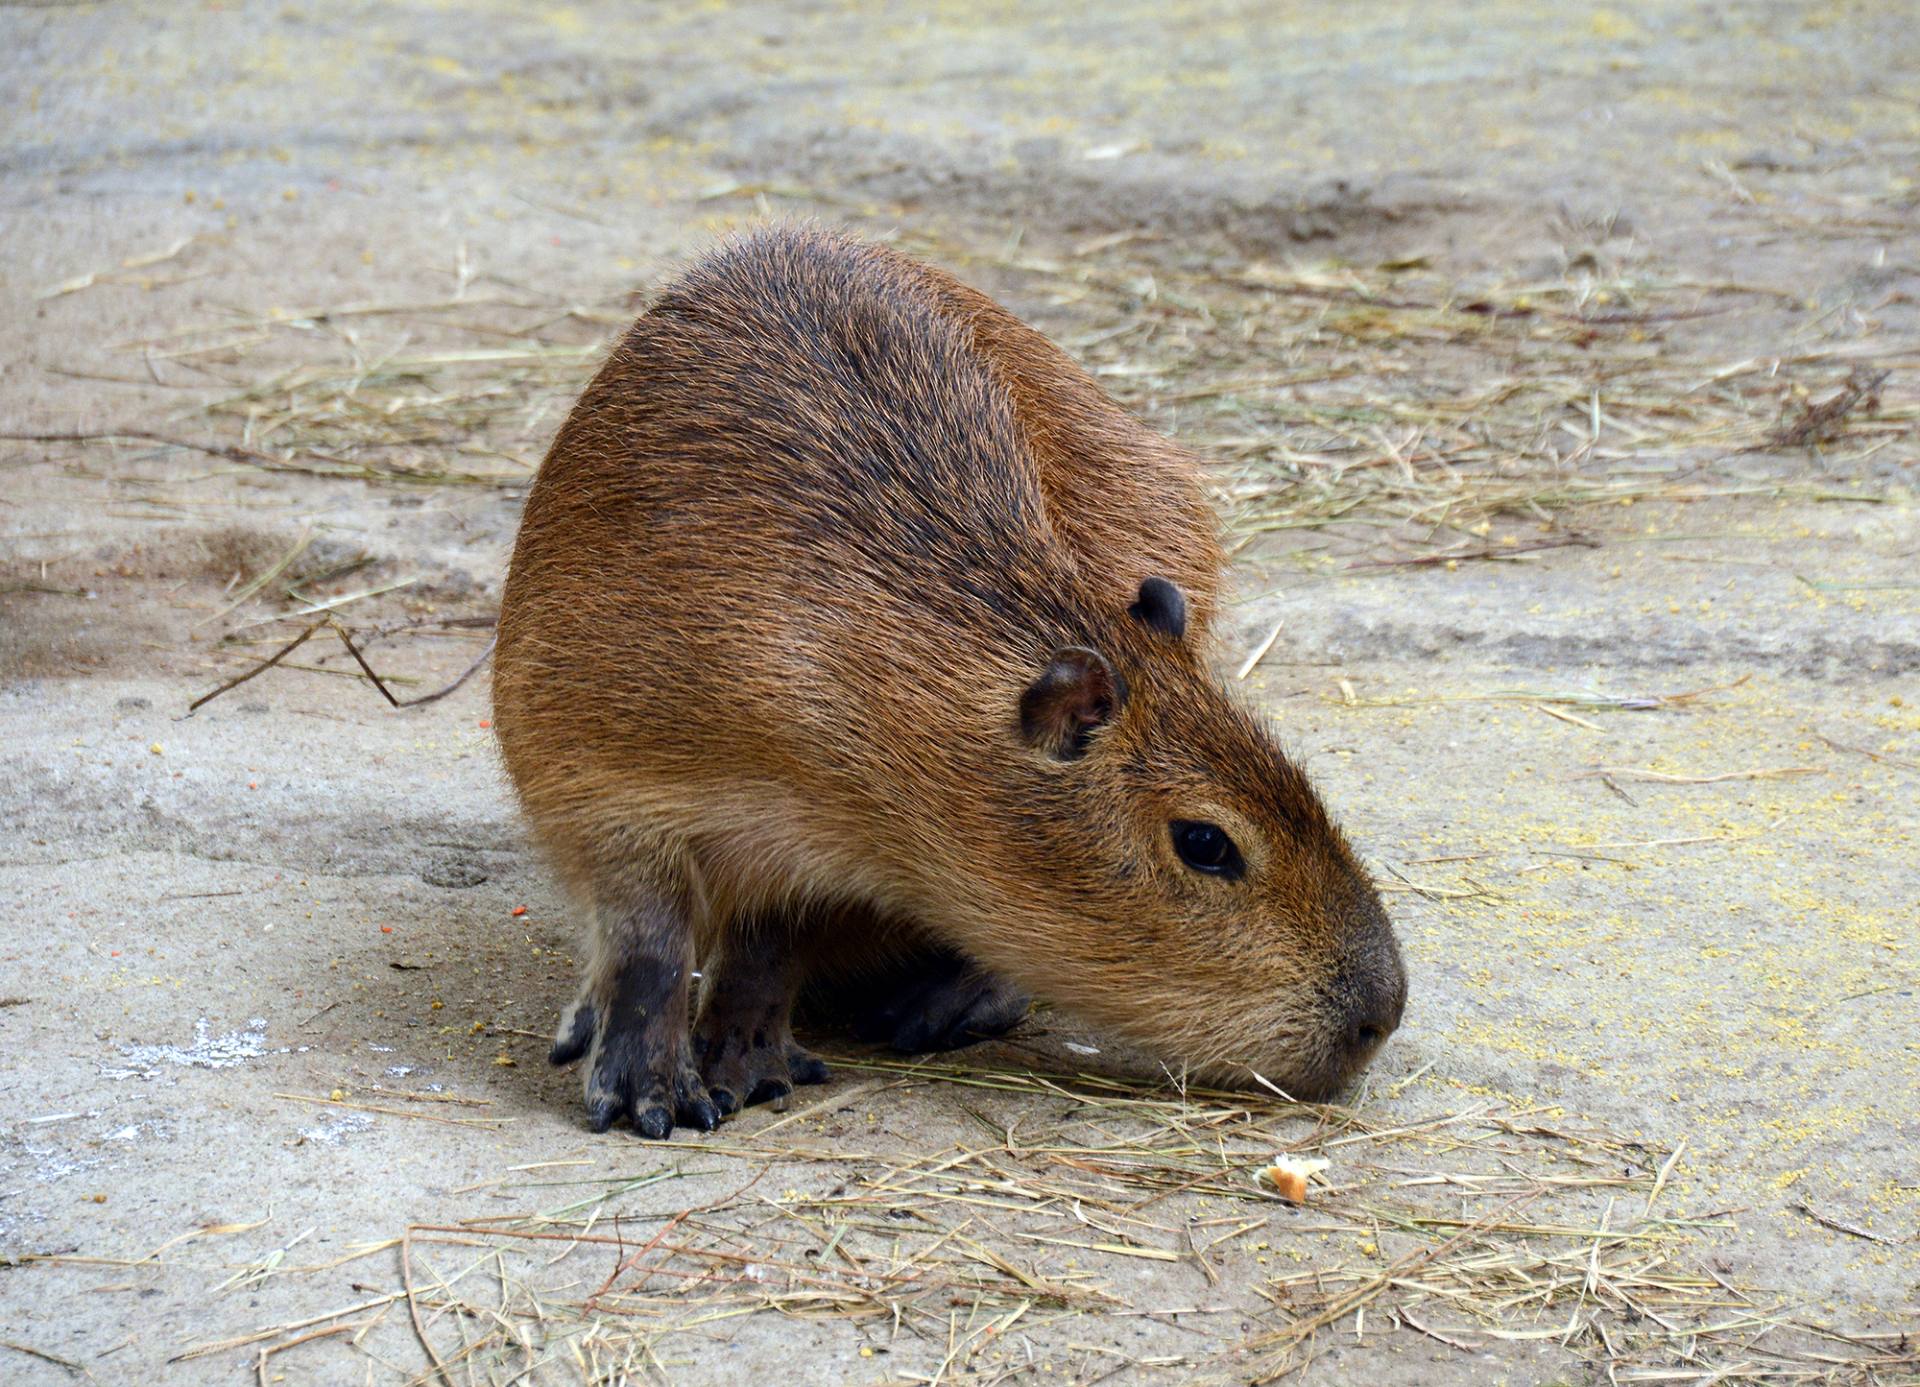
{"type": "Point", "coordinates": [1076, 692]}
{"type": "Point", "coordinates": [1161, 606]}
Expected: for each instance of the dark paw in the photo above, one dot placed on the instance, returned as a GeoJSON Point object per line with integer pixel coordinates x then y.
{"type": "Point", "coordinates": [735, 1060]}
{"type": "Point", "coordinates": [943, 1002]}
{"type": "Point", "coordinates": [634, 1073]}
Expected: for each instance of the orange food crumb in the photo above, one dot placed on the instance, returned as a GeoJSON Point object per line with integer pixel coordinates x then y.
{"type": "Point", "coordinates": [519, 910]}
{"type": "Point", "coordinates": [1287, 1177]}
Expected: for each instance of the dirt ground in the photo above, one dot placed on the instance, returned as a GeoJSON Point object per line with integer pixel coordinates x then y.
{"type": "Point", "coordinates": [1557, 366]}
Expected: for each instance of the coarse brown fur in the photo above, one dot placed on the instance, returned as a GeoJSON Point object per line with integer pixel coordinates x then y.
{"type": "Point", "coordinates": [825, 636]}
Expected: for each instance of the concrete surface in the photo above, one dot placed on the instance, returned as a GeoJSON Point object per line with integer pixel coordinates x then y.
{"type": "Point", "coordinates": [217, 923]}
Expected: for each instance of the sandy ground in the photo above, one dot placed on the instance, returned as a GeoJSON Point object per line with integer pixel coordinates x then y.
{"type": "Point", "coordinates": [1510, 327]}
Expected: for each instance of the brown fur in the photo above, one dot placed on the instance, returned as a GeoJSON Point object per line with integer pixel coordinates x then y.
{"type": "Point", "coordinates": [808, 542]}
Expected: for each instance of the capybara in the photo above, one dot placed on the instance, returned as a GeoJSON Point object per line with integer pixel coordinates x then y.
{"type": "Point", "coordinates": [855, 640]}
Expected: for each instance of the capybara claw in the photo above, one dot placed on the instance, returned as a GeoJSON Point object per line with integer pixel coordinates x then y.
{"type": "Point", "coordinates": [768, 1091]}
{"type": "Point", "coordinates": [804, 1068]}
{"type": "Point", "coordinates": [575, 1035]}
{"type": "Point", "coordinates": [656, 1123]}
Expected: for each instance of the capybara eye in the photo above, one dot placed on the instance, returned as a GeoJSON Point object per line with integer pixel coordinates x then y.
{"type": "Point", "coordinates": [1207, 848]}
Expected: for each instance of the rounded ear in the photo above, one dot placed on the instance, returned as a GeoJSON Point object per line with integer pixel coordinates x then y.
{"type": "Point", "coordinates": [1162, 606]}
{"type": "Point", "coordinates": [1074, 694]}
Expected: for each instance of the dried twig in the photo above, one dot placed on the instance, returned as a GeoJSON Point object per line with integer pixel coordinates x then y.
{"type": "Point", "coordinates": [258, 669]}
{"type": "Point", "coordinates": [1662, 778]}
{"type": "Point", "coordinates": [346, 639]}
{"type": "Point", "coordinates": [1818, 422]}
{"type": "Point", "coordinates": [1485, 551]}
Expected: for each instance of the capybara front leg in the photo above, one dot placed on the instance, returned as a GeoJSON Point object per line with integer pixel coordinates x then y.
{"type": "Point", "coordinates": [629, 1021]}
{"type": "Point", "coordinates": [743, 1041]}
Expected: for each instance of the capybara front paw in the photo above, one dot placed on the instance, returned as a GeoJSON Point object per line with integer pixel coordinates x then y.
{"type": "Point", "coordinates": [744, 1067]}
{"type": "Point", "coordinates": [654, 1099]}
{"type": "Point", "coordinates": [635, 1073]}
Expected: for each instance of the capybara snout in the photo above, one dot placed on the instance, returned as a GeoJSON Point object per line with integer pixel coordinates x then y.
{"type": "Point", "coordinates": [1367, 1000]}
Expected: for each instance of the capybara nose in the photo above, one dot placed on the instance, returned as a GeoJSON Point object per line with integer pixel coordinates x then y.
{"type": "Point", "coordinates": [1378, 1015]}
{"type": "Point", "coordinates": [1373, 995]}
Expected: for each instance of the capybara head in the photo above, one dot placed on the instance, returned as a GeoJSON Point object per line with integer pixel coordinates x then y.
{"type": "Point", "coordinates": [1183, 883]}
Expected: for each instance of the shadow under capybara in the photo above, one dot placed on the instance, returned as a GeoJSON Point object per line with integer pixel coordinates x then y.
{"type": "Point", "coordinates": [855, 640]}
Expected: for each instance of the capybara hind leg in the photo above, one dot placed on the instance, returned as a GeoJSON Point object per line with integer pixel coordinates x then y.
{"type": "Point", "coordinates": [934, 999]}
{"type": "Point", "coordinates": [743, 1041]}
{"type": "Point", "coordinates": [629, 1021]}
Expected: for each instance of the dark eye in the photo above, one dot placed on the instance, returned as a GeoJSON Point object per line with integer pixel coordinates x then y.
{"type": "Point", "coordinates": [1206, 848]}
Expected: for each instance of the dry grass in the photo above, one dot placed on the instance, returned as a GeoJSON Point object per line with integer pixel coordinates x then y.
{"type": "Point", "coordinates": [1068, 1206]}
{"type": "Point", "coordinates": [1415, 407]}
{"type": "Point", "coordinates": [1427, 410]}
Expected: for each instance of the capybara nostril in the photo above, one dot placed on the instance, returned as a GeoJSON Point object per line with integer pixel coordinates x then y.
{"type": "Point", "coordinates": [1374, 1028]}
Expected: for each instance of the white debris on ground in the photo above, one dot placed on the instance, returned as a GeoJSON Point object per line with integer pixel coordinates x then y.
{"type": "Point", "coordinates": [45, 1164]}
{"type": "Point", "coordinates": [208, 1051]}
{"type": "Point", "coordinates": [331, 1130]}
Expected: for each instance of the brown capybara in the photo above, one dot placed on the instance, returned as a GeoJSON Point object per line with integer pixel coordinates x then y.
{"type": "Point", "coordinates": [855, 638]}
